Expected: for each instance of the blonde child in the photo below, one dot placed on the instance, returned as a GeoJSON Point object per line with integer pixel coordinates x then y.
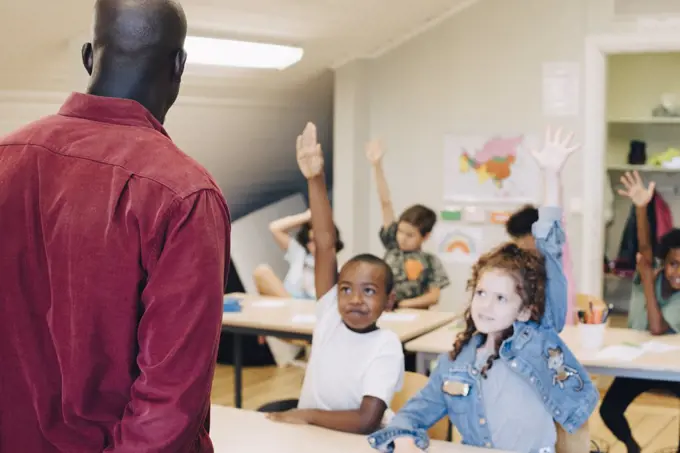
{"type": "Point", "coordinates": [509, 377]}
{"type": "Point", "coordinates": [419, 276]}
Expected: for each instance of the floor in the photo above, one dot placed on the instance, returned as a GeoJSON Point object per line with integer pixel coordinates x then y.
{"type": "Point", "coordinates": [655, 419]}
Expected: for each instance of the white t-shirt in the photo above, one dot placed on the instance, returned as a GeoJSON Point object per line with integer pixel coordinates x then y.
{"type": "Point", "coordinates": [345, 366]}
{"type": "Point", "coordinates": [299, 281]}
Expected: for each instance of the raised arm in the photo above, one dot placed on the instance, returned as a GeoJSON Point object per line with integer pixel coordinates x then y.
{"type": "Point", "coordinates": [374, 153]}
{"type": "Point", "coordinates": [548, 229]}
{"type": "Point", "coordinates": [640, 196]}
{"type": "Point", "coordinates": [280, 228]}
{"type": "Point", "coordinates": [310, 161]}
{"type": "Point", "coordinates": [179, 330]}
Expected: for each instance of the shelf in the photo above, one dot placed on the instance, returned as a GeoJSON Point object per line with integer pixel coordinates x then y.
{"type": "Point", "coordinates": [642, 168]}
{"type": "Point", "coordinates": [645, 120]}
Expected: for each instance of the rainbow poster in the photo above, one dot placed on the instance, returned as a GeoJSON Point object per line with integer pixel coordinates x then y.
{"type": "Point", "coordinates": [459, 244]}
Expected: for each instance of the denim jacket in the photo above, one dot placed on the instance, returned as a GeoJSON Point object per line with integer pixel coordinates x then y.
{"type": "Point", "coordinates": [535, 351]}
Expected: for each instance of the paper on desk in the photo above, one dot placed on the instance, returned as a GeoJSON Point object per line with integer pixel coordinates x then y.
{"type": "Point", "coordinates": [658, 347]}
{"type": "Point", "coordinates": [268, 303]}
{"type": "Point", "coordinates": [304, 319]}
{"type": "Point", "coordinates": [620, 353]}
{"type": "Point", "coordinates": [399, 317]}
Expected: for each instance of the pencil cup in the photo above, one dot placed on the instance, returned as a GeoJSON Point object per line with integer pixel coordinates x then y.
{"type": "Point", "coordinates": [592, 335]}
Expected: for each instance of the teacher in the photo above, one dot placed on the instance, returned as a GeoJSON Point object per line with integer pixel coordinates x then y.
{"type": "Point", "coordinates": [114, 248]}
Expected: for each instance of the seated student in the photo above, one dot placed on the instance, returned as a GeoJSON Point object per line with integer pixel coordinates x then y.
{"type": "Point", "coordinates": [299, 281]}
{"type": "Point", "coordinates": [355, 367]}
{"type": "Point", "coordinates": [518, 227]}
{"type": "Point", "coordinates": [509, 377]}
{"type": "Point", "coordinates": [419, 276]}
{"type": "Point", "coordinates": [654, 306]}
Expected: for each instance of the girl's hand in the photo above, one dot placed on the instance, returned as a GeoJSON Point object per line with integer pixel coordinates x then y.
{"type": "Point", "coordinates": [405, 445]}
{"type": "Point", "coordinates": [635, 190]}
{"type": "Point", "coordinates": [309, 156]}
{"type": "Point", "coordinates": [555, 152]}
{"type": "Point", "coordinates": [374, 152]}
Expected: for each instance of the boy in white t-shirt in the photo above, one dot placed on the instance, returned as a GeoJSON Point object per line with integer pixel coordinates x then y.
{"type": "Point", "coordinates": [355, 367]}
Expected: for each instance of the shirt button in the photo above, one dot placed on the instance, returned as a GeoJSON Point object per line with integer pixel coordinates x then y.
{"type": "Point", "coordinates": [513, 364]}
{"type": "Point", "coordinates": [557, 412]}
{"type": "Point", "coordinates": [545, 398]}
{"type": "Point", "coordinates": [371, 441]}
{"type": "Point", "coordinates": [532, 379]}
{"type": "Point", "coordinates": [482, 421]}
{"type": "Point", "coordinates": [474, 372]}
{"type": "Point", "coordinates": [487, 445]}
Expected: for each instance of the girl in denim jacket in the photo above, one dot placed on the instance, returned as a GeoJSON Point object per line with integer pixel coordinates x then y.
{"type": "Point", "coordinates": [509, 377]}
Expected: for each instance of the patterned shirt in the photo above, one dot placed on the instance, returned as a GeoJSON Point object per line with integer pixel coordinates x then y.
{"type": "Point", "coordinates": [415, 272]}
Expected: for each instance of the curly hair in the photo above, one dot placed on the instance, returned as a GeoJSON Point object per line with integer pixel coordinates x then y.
{"type": "Point", "coordinates": [527, 268]}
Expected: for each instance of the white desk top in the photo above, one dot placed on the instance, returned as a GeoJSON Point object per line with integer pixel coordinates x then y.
{"type": "Point", "coordinates": [654, 364]}
{"type": "Point", "coordinates": [239, 431]}
{"type": "Point", "coordinates": [294, 315]}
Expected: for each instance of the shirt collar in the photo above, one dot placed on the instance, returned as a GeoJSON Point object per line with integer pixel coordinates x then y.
{"type": "Point", "coordinates": [110, 110]}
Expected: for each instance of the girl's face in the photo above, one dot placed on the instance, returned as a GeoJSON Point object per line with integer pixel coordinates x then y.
{"type": "Point", "coordinates": [311, 247]}
{"type": "Point", "coordinates": [495, 303]}
{"type": "Point", "coordinates": [671, 268]}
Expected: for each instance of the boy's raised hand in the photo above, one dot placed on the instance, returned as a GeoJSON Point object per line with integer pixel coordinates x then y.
{"type": "Point", "coordinates": [309, 156]}
{"type": "Point", "coordinates": [374, 152]}
{"type": "Point", "coordinates": [635, 190]}
{"type": "Point", "coordinates": [555, 152]}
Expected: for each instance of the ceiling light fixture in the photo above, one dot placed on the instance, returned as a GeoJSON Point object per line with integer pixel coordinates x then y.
{"type": "Point", "coordinates": [240, 54]}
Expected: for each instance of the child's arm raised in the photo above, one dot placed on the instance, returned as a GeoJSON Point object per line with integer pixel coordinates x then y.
{"type": "Point", "coordinates": [641, 197]}
{"type": "Point", "coordinates": [310, 161]}
{"type": "Point", "coordinates": [374, 154]}
{"type": "Point", "coordinates": [281, 227]}
{"type": "Point", "coordinates": [548, 229]}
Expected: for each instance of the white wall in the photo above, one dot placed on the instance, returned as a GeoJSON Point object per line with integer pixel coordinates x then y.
{"type": "Point", "coordinates": [247, 142]}
{"type": "Point", "coordinates": [477, 73]}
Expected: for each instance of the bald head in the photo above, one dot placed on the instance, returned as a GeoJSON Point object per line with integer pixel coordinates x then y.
{"type": "Point", "coordinates": [137, 52]}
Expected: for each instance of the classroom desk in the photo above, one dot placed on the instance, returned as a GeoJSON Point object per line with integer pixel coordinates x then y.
{"type": "Point", "coordinates": [294, 319]}
{"type": "Point", "coordinates": [664, 366]}
{"type": "Point", "coordinates": [236, 430]}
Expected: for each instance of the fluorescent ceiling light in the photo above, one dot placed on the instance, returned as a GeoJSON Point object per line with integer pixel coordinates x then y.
{"type": "Point", "coordinates": [240, 54]}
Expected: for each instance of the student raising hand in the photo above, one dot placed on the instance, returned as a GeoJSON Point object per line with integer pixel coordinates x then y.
{"type": "Point", "coordinates": [635, 189]}
{"type": "Point", "coordinates": [309, 156]}
{"type": "Point", "coordinates": [310, 161]}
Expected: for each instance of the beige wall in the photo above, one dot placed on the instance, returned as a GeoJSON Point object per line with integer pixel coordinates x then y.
{"type": "Point", "coordinates": [477, 73]}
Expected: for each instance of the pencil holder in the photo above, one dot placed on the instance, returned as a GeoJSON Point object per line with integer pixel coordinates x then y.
{"type": "Point", "coordinates": [592, 335]}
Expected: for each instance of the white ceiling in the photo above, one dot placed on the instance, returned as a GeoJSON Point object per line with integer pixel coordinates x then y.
{"type": "Point", "coordinates": [41, 38]}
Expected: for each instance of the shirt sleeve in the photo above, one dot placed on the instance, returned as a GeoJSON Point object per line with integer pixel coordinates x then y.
{"type": "Point", "coordinates": [296, 252]}
{"type": "Point", "coordinates": [549, 241]}
{"type": "Point", "coordinates": [439, 277]}
{"type": "Point", "coordinates": [179, 329]}
{"type": "Point", "coordinates": [385, 375]}
{"type": "Point", "coordinates": [388, 236]}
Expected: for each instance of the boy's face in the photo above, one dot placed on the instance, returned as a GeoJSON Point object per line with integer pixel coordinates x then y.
{"type": "Point", "coordinates": [361, 294]}
{"type": "Point", "coordinates": [671, 268]}
{"type": "Point", "coordinates": [495, 303]}
{"type": "Point", "coordinates": [526, 242]}
{"type": "Point", "coordinates": [409, 237]}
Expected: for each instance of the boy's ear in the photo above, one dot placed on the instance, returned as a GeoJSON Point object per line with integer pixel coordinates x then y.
{"type": "Point", "coordinates": [391, 301]}
{"type": "Point", "coordinates": [524, 315]}
{"type": "Point", "coordinates": [426, 236]}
